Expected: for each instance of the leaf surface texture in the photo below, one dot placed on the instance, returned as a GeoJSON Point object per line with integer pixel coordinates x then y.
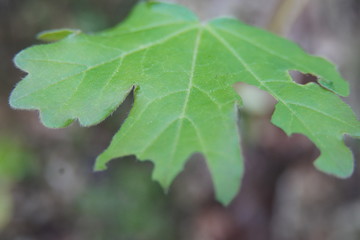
{"type": "Point", "coordinates": [182, 72]}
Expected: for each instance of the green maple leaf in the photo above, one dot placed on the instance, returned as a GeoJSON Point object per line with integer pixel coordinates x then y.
{"type": "Point", "coordinates": [182, 72]}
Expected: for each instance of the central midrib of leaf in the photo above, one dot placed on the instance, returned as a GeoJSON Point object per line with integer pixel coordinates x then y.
{"type": "Point", "coordinates": [188, 92]}
{"type": "Point", "coordinates": [200, 28]}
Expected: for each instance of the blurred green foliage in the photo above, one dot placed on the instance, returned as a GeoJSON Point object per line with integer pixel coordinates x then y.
{"type": "Point", "coordinates": [15, 163]}
{"type": "Point", "coordinates": [5, 206]}
{"type": "Point", "coordinates": [127, 206]}
{"type": "Point", "coordinates": [15, 160]}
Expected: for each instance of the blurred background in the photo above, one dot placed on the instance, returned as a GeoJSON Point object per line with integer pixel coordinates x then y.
{"type": "Point", "coordinates": [48, 190]}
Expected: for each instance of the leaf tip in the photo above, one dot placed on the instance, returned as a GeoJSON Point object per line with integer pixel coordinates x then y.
{"type": "Point", "coordinates": [341, 167]}
{"type": "Point", "coordinates": [103, 159]}
{"type": "Point", "coordinates": [343, 172]}
{"type": "Point", "coordinates": [99, 165]}
{"type": "Point", "coordinates": [12, 100]}
{"type": "Point", "coordinates": [56, 35]}
{"type": "Point", "coordinates": [19, 59]}
{"type": "Point", "coordinates": [165, 182]}
{"type": "Point", "coordinates": [224, 200]}
{"type": "Point", "coordinates": [53, 121]}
